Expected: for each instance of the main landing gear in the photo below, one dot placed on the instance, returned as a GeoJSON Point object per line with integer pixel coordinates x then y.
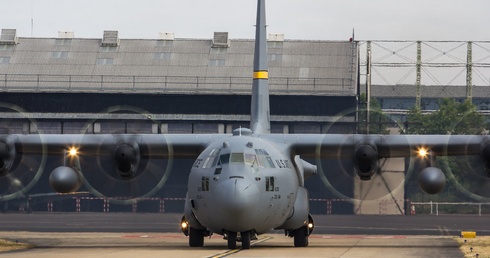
{"type": "Point", "coordinates": [196, 236]}
{"type": "Point", "coordinates": [301, 234]}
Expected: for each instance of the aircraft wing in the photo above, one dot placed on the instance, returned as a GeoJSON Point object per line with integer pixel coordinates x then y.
{"type": "Point", "coordinates": [386, 146]}
{"type": "Point", "coordinates": [366, 150]}
{"type": "Point", "coordinates": [175, 145]}
{"type": "Point", "coordinates": [124, 156]}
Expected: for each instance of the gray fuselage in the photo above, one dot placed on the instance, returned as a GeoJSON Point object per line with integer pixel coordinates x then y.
{"type": "Point", "coordinates": [242, 183]}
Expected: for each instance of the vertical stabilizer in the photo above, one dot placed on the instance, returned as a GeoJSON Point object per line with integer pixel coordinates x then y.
{"type": "Point", "coordinates": [260, 112]}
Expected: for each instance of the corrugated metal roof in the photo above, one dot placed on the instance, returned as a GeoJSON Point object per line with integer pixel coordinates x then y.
{"type": "Point", "coordinates": [309, 62]}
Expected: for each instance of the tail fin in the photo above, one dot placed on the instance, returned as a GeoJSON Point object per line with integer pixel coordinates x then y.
{"type": "Point", "coordinates": [260, 111]}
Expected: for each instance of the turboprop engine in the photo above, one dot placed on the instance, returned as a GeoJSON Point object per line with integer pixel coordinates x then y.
{"type": "Point", "coordinates": [7, 156]}
{"type": "Point", "coordinates": [366, 160]}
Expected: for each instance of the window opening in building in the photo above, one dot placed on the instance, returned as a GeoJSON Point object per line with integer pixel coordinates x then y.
{"type": "Point", "coordinates": [62, 42]}
{"type": "Point", "coordinates": [165, 43]}
{"type": "Point", "coordinates": [107, 49]}
{"type": "Point", "coordinates": [6, 47]}
{"type": "Point", "coordinates": [105, 61]}
{"type": "Point", "coordinates": [219, 50]}
{"type": "Point", "coordinates": [4, 60]}
{"type": "Point", "coordinates": [162, 56]}
{"type": "Point", "coordinates": [275, 57]}
{"type": "Point", "coordinates": [217, 62]}
{"type": "Point", "coordinates": [59, 54]}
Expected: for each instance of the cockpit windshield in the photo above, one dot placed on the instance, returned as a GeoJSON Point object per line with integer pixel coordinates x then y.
{"type": "Point", "coordinates": [260, 159]}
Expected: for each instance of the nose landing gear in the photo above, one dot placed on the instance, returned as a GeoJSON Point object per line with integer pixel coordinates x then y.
{"type": "Point", "coordinates": [244, 237]}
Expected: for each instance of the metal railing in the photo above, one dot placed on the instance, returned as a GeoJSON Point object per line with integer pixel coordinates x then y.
{"type": "Point", "coordinates": [170, 84]}
{"type": "Point", "coordinates": [435, 206]}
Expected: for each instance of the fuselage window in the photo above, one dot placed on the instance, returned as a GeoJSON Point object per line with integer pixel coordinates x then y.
{"type": "Point", "coordinates": [205, 184]}
{"type": "Point", "coordinates": [269, 184]}
{"type": "Point", "coordinates": [218, 171]}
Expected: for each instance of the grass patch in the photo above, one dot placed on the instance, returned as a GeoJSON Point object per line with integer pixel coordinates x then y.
{"type": "Point", "coordinates": [480, 245]}
{"type": "Point", "coordinates": [6, 246]}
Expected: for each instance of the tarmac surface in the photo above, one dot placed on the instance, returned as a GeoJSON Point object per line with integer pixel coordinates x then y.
{"type": "Point", "coordinates": [157, 235]}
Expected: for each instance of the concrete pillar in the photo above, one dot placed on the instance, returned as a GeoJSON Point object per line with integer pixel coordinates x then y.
{"type": "Point", "coordinates": [32, 127]}
{"type": "Point", "coordinates": [221, 128]}
{"type": "Point", "coordinates": [164, 128]}
{"type": "Point", "coordinates": [97, 127]}
{"type": "Point", "coordinates": [229, 128]}
{"type": "Point", "coordinates": [285, 129]}
{"type": "Point", "coordinates": [154, 128]}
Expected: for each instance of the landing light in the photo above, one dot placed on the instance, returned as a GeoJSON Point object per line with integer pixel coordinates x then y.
{"type": "Point", "coordinates": [310, 225]}
{"type": "Point", "coordinates": [73, 151]}
{"type": "Point", "coordinates": [422, 152]}
{"type": "Point", "coordinates": [184, 225]}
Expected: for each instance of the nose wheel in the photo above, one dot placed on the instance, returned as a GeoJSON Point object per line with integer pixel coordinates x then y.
{"type": "Point", "coordinates": [245, 238]}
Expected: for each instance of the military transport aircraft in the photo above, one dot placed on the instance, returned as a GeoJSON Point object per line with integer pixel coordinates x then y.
{"type": "Point", "coordinates": [244, 184]}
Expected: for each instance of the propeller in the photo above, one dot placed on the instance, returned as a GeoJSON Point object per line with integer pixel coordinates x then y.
{"type": "Point", "coordinates": [127, 168]}
{"type": "Point", "coordinates": [363, 168]}
{"type": "Point", "coordinates": [18, 173]}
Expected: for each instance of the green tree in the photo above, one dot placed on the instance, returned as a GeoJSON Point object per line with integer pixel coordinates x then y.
{"type": "Point", "coordinates": [453, 117]}
{"type": "Point", "coordinates": [378, 121]}
{"type": "Point", "coordinates": [459, 118]}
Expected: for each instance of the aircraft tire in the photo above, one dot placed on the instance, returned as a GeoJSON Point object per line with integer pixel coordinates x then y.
{"type": "Point", "coordinates": [301, 237]}
{"type": "Point", "coordinates": [196, 237]}
{"type": "Point", "coordinates": [231, 240]}
{"type": "Point", "coordinates": [245, 240]}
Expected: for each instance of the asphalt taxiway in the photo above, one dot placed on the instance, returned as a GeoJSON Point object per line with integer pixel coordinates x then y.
{"type": "Point", "coordinates": [151, 235]}
{"type": "Point", "coordinates": [120, 245]}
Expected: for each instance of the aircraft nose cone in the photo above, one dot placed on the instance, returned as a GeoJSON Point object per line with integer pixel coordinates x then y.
{"type": "Point", "coordinates": [238, 199]}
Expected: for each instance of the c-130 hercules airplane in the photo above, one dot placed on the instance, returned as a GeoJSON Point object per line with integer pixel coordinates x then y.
{"type": "Point", "coordinates": [245, 184]}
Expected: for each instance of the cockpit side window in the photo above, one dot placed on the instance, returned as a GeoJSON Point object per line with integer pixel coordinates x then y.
{"type": "Point", "coordinates": [263, 158]}
{"type": "Point", "coordinates": [251, 159]}
{"type": "Point", "coordinates": [212, 159]}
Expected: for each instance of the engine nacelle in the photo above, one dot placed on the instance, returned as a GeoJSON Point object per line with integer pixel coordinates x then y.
{"type": "Point", "coordinates": [126, 159]}
{"type": "Point", "coordinates": [431, 180]}
{"type": "Point", "coordinates": [7, 155]}
{"type": "Point", "coordinates": [299, 215]}
{"type": "Point", "coordinates": [65, 179]}
{"type": "Point", "coordinates": [366, 160]}
{"type": "Point", "coordinates": [485, 154]}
